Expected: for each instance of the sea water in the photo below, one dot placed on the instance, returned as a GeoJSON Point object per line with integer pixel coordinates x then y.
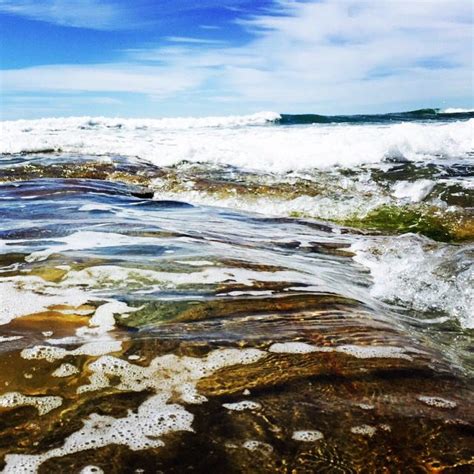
{"type": "Point", "coordinates": [260, 293]}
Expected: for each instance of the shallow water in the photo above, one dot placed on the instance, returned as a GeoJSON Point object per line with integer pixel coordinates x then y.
{"type": "Point", "coordinates": [212, 316]}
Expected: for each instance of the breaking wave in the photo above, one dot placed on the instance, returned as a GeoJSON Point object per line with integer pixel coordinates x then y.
{"type": "Point", "coordinates": [246, 142]}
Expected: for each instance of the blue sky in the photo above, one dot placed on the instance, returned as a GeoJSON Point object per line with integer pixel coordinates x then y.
{"type": "Point", "coordinates": [154, 58]}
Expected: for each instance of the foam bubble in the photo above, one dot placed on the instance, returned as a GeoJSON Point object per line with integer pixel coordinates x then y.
{"type": "Point", "coordinates": [359, 351]}
{"type": "Point", "coordinates": [243, 405]}
{"type": "Point", "coordinates": [371, 352]}
{"type": "Point", "coordinates": [364, 430]}
{"type": "Point", "coordinates": [365, 406]}
{"type": "Point", "coordinates": [307, 435]}
{"type": "Point", "coordinates": [42, 404]}
{"type": "Point", "coordinates": [168, 373]}
{"type": "Point", "coordinates": [98, 341]}
{"type": "Point", "coordinates": [138, 431]}
{"type": "Point", "coordinates": [91, 470]}
{"type": "Point", "coordinates": [168, 376]}
{"type": "Point", "coordinates": [103, 319]}
{"type": "Point", "coordinates": [292, 348]}
{"type": "Point", "coordinates": [65, 370]}
{"type": "Point", "coordinates": [437, 402]}
{"type": "Point", "coordinates": [253, 445]}
{"type": "Point", "coordinates": [9, 338]}
{"type": "Point", "coordinates": [51, 353]}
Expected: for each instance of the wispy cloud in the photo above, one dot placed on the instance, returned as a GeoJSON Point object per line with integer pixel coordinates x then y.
{"type": "Point", "coordinates": [326, 56]}
{"type": "Point", "coordinates": [209, 27]}
{"type": "Point", "coordinates": [154, 80]}
{"type": "Point", "coordinates": [190, 40]}
{"type": "Point", "coordinates": [92, 14]}
{"type": "Point", "coordinates": [109, 14]}
{"type": "Point", "coordinates": [340, 54]}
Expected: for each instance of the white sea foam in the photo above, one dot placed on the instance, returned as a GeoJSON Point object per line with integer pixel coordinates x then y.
{"type": "Point", "coordinates": [222, 141]}
{"type": "Point", "coordinates": [65, 370]}
{"type": "Point", "coordinates": [254, 445]}
{"type": "Point", "coordinates": [103, 319]}
{"type": "Point", "coordinates": [243, 405]}
{"type": "Point", "coordinates": [421, 274]}
{"type": "Point", "coordinates": [168, 376]}
{"type": "Point", "coordinates": [321, 207]}
{"type": "Point", "coordinates": [96, 207]}
{"type": "Point", "coordinates": [373, 352]}
{"type": "Point", "coordinates": [9, 338]}
{"type": "Point", "coordinates": [52, 353]}
{"type": "Point", "coordinates": [138, 431]}
{"type": "Point", "coordinates": [85, 240]}
{"type": "Point", "coordinates": [94, 339]}
{"type": "Point", "coordinates": [25, 295]}
{"type": "Point", "coordinates": [456, 110]}
{"type": "Point", "coordinates": [307, 435]}
{"type": "Point", "coordinates": [169, 373]}
{"type": "Point", "coordinates": [437, 402]}
{"type": "Point", "coordinates": [42, 404]}
{"type": "Point", "coordinates": [111, 276]}
{"type": "Point", "coordinates": [19, 296]}
{"type": "Point", "coordinates": [364, 430]}
{"type": "Point", "coordinates": [359, 351]}
{"type": "Point", "coordinates": [292, 348]}
{"type": "Point", "coordinates": [92, 470]}
{"type": "Point", "coordinates": [413, 191]}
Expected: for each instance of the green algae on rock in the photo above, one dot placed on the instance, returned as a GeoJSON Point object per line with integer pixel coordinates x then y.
{"type": "Point", "coordinates": [439, 224]}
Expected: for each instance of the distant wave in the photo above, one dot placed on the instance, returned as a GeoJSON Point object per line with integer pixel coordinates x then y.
{"type": "Point", "coordinates": [232, 121]}
{"type": "Point", "coordinates": [410, 116]}
{"type": "Point", "coordinates": [167, 123]}
{"type": "Point", "coordinates": [454, 110]}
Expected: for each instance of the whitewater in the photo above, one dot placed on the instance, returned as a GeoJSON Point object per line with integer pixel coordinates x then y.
{"type": "Point", "coordinates": [297, 289]}
{"type": "Point", "coordinates": [254, 142]}
{"type": "Point", "coordinates": [337, 168]}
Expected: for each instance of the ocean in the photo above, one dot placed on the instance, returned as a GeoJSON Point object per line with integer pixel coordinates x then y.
{"type": "Point", "coordinates": [284, 293]}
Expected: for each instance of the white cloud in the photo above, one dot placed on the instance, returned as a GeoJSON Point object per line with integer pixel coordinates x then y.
{"type": "Point", "coordinates": [210, 27]}
{"type": "Point", "coordinates": [190, 40]}
{"type": "Point", "coordinates": [342, 54]}
{"type": "Point", "coordinates": [332, 56]}
{"type": "Point", "coordinates": [153, 80]}
{"type": "Point", "coordinates": [93, 14]}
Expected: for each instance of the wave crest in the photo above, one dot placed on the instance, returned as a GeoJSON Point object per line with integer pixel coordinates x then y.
{"type": "Point", "coordinates": [231, 141]}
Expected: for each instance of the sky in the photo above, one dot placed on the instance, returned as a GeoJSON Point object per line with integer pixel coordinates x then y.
{"type": "Point", "coordinates": [157, 58]}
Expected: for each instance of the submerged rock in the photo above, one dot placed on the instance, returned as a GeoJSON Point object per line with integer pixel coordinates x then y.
{"type": "Point", "coordinates": [145, 334]}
